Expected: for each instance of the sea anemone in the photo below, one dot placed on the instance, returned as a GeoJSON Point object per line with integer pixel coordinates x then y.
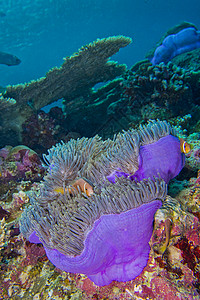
{"type": "Point", "coordinates": [105, 235]}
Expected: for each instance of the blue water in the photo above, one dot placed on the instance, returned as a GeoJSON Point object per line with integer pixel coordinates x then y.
{"type": "Point", "coordinates": [42, 32]}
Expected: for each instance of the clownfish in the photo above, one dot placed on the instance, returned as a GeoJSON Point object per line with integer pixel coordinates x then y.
{"type": "Point", "coordinates": [185, 147]}
{"type": "Point", "coordinates": [81, 184]}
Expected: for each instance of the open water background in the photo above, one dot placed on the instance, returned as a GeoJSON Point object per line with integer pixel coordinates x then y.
{"type": "Point", "coordinates": [42, 32]}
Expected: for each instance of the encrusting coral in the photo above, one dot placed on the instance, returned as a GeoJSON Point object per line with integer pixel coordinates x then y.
{"type": "Point", "coordinates": [104, 235]}
{"type": "Point", "coordinates": [75, 77]}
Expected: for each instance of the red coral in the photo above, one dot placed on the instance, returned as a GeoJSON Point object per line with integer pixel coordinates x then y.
{"type": "Point", "coordinates": [20, 163]}
{"type": "Point", "coordinates": [35, 253]}
{"type": "Point", "coordinates": [44, 130]}
{"type": "Point", "coordinates": [191, 256]}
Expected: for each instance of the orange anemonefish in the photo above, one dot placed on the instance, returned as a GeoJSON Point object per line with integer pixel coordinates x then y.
{"type": "Point", "coordinates": [185, 147]}
{"type": "Point", "coordinates": [82, 184]}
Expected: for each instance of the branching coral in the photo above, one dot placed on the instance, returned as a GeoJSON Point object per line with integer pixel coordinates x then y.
{"type": "Point", "coordinates": [161, 90]}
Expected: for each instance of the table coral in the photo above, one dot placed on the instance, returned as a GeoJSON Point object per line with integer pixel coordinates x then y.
{"type": "Point", "coordinates": [5, 103]}
{"type": "Point", "coordinates": [77, 75]}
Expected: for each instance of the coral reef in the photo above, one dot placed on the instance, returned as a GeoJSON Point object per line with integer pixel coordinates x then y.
{"type": "Point", "coordinates": [18, 163]}
{"type": "Point", "coordinates": [189, 61]}
{"type": "Point", "coordinates": [193, 158]}
{"type": "Point", "coordinates": [132, 155]}
{"type": "Point", "coordinates": [26, 272]}
{"type": "Point", "coordinates": [172, 31]}
{"type": "Point", "coordinates": [161, 90]}
{"type": "Point", "coordinates": [92, 111]}
{"type": "Point", "coordinates": [145, 91]}
{"type": "Point", "coordinates": [6, 102]}
{"type": "Point", "coordinates": [43, 130]}
{"type": "Point", "coordinates": [77, 75]}
{"type": "Point", "coordinates": [109, 168]}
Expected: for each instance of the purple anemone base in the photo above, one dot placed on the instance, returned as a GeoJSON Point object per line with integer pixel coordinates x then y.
{"type": "Point", "coordinates": [117, 247]}
{"type": "Point", "coordinates": [184, 41]}
{"type": "Point", "coordinates": [162, 158]}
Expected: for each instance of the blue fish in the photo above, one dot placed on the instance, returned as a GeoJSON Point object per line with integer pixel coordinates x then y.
{"type": "Point", "coordinates": [9, 59]}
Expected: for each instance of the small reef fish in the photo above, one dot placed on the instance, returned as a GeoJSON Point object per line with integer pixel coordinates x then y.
{"type": "Point", "coordinates": [168, 225]}
{"type": "Point", "coordinates": [82, 184]}
{"type": "Point", "coordinates": [185, 147]}
{"type": "Point", "coordinates": [9, 59]}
